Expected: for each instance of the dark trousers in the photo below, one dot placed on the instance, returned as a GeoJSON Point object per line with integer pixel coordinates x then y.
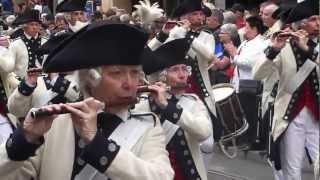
{"type": "Point", "coordinates": [249, 103]}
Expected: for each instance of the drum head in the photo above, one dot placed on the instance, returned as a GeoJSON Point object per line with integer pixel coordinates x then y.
{"type": "Point", "coordinates": [222, 91]}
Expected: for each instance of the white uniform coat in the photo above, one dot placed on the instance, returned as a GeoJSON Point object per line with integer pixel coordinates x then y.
{"type": "Point", "coordinates": [146, 160]}
{"type": "Point", "coordinates": [16, 58]}
{"type": "Point", "coordinates": [196, 125]}
{"type": "Point", "coordinates": [286, 66]}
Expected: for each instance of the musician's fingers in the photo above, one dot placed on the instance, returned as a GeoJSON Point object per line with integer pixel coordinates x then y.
{"type": "Point", "coordinates": [74, 110]}
{"type": "Point", "coordinates": [295, 34]}
{"type": "Point", "coordinates": [158, 87]}
{"type": "Point", "coordinates": [160, 84]}
{"type": "Point", "coordinates": [82, 105]}
{"type": "Point", "coordinates": [54, 108]}
{"type": "Point", "coordinates": [153, 88]}
{"type": "Point", "coordinates": [96, 104]}
{"type": "Point", "coordinates": [300, 34]}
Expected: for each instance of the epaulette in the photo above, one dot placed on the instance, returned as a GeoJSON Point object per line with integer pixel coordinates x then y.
{"type": "Point", "coordinates": [207, 31]}
{"type": "Point", "coordinates": [145, 116]}
{"type": "Point", "coordinates": [17, 38]}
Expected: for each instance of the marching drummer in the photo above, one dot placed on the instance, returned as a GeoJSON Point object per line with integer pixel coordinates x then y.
{"type": "Point", "coordinates": [184, 117]}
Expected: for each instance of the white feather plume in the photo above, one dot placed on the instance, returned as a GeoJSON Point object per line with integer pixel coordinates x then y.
{"type": "Point", "coordinates": [148, 13]}
{"type": "Point", "coordinates": [209, 5]}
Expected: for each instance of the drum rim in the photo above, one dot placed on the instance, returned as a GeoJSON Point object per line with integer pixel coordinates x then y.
{"type": "Point", "coordinates": [221, 86]}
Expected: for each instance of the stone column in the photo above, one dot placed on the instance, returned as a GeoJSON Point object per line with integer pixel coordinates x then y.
{"type": "Point", "coordinates": [122, 4]}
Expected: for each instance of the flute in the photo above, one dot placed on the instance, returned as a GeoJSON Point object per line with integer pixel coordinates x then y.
{"type": "Point", "coordinates": [41, 113]}
{"type": "Point", "coordinates": [36, 71]}
{"type": "Point", "coordinates": [119, 102]}
{"type": "Point", "coordinates": [142, 89]}
{"type": "Point", "coordinates": [283, 34]}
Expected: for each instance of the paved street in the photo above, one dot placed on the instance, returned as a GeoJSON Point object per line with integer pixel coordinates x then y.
{"type": "Point", "coordinates": [252, 167]}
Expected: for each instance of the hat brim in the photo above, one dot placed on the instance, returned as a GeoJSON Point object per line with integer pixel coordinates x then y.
{"type": "Point", "coordinates": [302, 11]}
{"type": "Point", "coordinates": [167, 55]}
{"type": "Point", "coordinates": [98, 44]}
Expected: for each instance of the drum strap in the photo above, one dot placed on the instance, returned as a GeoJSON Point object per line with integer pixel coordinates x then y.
{"type": "Point", "coordinates": [216, 123]}
{"type": "Point", "coordinates": [126, 134]}
{"type": "Point", "coordinates": [295, 82]}
{"type": "Point", "coordinates": [274, 90]}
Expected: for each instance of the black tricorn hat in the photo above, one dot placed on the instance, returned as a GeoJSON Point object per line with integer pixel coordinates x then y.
{"type": "Point", "coordinates": [53, 42]}
{"type": "Point", "coordinates": [189, 6]}
{"type": "Point", "coordinates": [283, 11]}
{"type": "Point", "coordinates": [169, 54]}
{"type": "Point", "coordinates": [29, 15]}
{"type": "Point", "coordinates": [71, 5]}
{"type": "Point", "coordinates": [98, 44]}
{"type": "Point", "coordinates": [303, 10]}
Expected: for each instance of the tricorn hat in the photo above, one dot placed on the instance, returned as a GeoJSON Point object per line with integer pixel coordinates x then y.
{"type": "Point", "coordinates": [282, 12]}
{"type": "Point", "coordinates": [303, 10]}
{"type": "Point", "coordinates": [71, 5]}
{"type": "Point", "coordinates": [29, 15]}
{"type": "Point", "coordinates": [169, 54]}
{"type": "Point", "coordinates": [98, 44]}
{"type": "Point", "coordinates": [189, 6]}
{"type": "Point", "coordinates": [53, 42]}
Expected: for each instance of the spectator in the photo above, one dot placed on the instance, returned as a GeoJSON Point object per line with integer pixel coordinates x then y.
{"type": "Point", "coordinates": [239, 10]}
{"type": "Point", "coordinates": [244, 59]}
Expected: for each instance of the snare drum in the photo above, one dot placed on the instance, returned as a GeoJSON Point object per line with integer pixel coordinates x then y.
{"type": "Point", "coordinates": [229, 112]}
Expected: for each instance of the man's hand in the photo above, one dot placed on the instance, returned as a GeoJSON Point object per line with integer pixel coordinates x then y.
{"type": "Point", "coordinates": [84, 117]}
{"type": "Point", "coordinates": [34, 128]}
{"type": "Point", "coordinates": [214, 62]}
{"type": "Point", "coordinates": [159, 94]}
{"type": "Point", "coordinates": [279, 39]}
{"type": "Point", "coordinates": [4, 41]}
{"type": "Point", "coordinates": [32, 76]}
{"type": "Point", "coordinates": [185, 24]}
{"type": "Point", "coordinates": [230, 48]}
{"type": "Point", "coordinates": [301, 38]}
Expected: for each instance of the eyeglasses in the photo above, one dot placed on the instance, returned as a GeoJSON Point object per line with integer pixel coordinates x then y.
{"type": "Point", "coordinates": [177, 69]}
{"type": "Point", "coordinates": [77, 13]}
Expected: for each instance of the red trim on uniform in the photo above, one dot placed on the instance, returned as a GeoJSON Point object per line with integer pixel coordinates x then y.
{"type": "Point", "coordinates": [178, 172]}
{"type": "Point", "coordinates": [194, 87]}
{"type": "Point", "coordinates": [307, 99]}
{"type": "Point", "coordinates": [2, 108]}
